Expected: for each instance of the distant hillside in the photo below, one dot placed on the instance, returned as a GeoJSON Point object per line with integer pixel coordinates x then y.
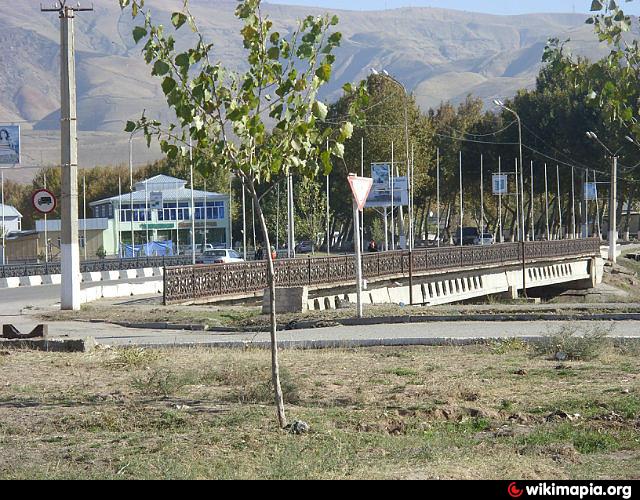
{"type": "Point", "coordinates": [439, 54]}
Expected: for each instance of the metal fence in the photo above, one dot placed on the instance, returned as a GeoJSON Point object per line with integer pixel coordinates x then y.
{"type": "Point", "coordinates": [19, 270]}
{"type": "Point", "coordinates": [187, 283]}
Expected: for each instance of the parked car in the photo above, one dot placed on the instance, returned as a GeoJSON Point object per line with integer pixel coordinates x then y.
{"type": "Point", "coordinates": [469, 235]}
{"type": "Point", "coordinates": [304, 247]}
{"type": "Point", "coordinates": [219, 256]}
{"type": "Point", "coordinates": [485, 239]}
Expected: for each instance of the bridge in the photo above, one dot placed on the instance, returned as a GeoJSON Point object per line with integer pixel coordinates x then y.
{"type": "Point", "coordinates": [435, 275]}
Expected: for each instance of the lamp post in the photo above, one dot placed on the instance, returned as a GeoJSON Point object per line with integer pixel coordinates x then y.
{"type": "Point", "coordinates": [133, 243]}
{"type": "Point", "coordinates": [501, 104]}
{"type": "Point", "coordinates": [385, 74]}
{"type": "Point", "coordinates": [613, 230]}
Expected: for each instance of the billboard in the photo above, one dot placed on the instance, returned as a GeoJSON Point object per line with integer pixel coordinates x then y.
{"type": "Point", "coordinates": [155, 200]}
{"type": "Point", "coordinates": [380, 194]}
{"type": "Point", "coordinates": [381, 198]}
{"type": "Point", "coordinates": [590, 191]}
{"type": "Point", "coordinates": [9, 144]}
{"type": "Point", "coordinates": [500, 184]}
{"type": "Point", "coordinates": [380, 175]}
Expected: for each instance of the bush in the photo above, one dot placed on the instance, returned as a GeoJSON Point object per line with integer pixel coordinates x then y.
{"type": "Point", "coordinates": [160, 382]}
{"type": "Point", "coordinates": [566, 343]}
{"type": "Point", "coordinates": [132, 357]}
{"type": "Point", "coordinates": [251, 383]}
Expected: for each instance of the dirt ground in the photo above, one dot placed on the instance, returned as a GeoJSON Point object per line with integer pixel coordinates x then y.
{"type": "Point", "coordinates": [492, 412]}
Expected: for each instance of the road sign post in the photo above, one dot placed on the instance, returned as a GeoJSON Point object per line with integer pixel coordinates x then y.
{"type": "Point", "coordinates": [360, 187]}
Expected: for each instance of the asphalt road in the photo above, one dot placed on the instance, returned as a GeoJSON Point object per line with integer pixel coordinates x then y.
{"type": "Point", "coordinates": [14, 300]}
{"type": "Point", "coordinates": [403, 334]}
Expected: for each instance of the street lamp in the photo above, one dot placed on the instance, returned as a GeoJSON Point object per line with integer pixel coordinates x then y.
{"type": "Point", "coordinates": [502, 105]}
{"type": "Point", "coordinates": [131, 190]}
{"type": "Point", "coordinates": [613, 230]}
{"type": "Point", "coordinates": [632, 140]}
{"type": "Point", "coordinates": [385, 74]}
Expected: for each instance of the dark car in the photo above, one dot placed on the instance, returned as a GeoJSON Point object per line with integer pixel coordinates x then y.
{"type": "Point", "coordinates": [304, 247]}
{"type": "Point", "coordinates": [469, 235]}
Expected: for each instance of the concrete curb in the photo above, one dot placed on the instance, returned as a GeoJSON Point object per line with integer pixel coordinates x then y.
{"type": "Point", "coordinates": [50, 345]}
{"type": "Point", "coordinates": [98, 292]}
{"type": "Point", "coordinates": [353, 343]}
{"type": "Point", "coordinates": [388, 320]}
{"type": "Point", "coordinates": [90, 277]}
{"type": "Point", "coordinates": [169, 326]}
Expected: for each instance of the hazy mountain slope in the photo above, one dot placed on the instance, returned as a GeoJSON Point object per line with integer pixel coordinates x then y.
{"type": "Point", "coordinates": [439, 54]}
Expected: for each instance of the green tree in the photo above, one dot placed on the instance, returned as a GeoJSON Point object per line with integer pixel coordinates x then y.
{"type": "Point", "coordinates": [223, 114]}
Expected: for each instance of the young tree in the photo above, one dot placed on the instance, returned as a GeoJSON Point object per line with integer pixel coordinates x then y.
{"type": "Point", "coordinates": [224, 114]}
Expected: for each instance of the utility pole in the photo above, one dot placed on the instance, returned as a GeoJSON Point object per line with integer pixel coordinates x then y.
{"type": "Point", "coordinates": [118, 217]}
{"type": "Point", "coordinates": [438, 191]}
{"type": "Point", "coordinates": [461, 201]}
{"type": "Point", "coordinates": [391, 176]}
{"type": "Point", "coordinates": [328, 214]}
{"type": "Point", "coordinates": [560, 234]}
{"type": "Point", "coordinates": [244, 223]}
{"type": "Point", "coordinates": [70, 266]}
{"type": "Point", "coordinates": [598, 229]}
{"type": "Point", "coordinates": [546, 201]}
{"type": "Point", "coordinates": [573, 203]}
{"type": "Point", "coordinates": [291, 223]}
{"type": "Point", "coordinates": [133, 238]}
{"type": "Point", "coordinates": [4, 245]}
{"type": "Point", "coordinates": [613, 230]}
{"type": "Point", "coordinates": [193, 209]}
{"type": "Point", "coordinates": [500, 237]}
{"type": "Point", "coordinates": [362, 175]}
{"type": "Point", "coordinates": [533, 229]}
{"type": "Point", "coordinates": [46, 234]}
{"type": "Point", "coordinates": [84, 213]}
{"type": "Point", "coordinates": [481, 200]}
{"type": "Point", "coordinates": [522, 229]}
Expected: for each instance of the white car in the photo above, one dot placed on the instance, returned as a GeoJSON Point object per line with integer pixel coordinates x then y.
{"type": "Point", "coordinates": [219, 256]}
{"type": "Point", "coordinates": [486, 239]}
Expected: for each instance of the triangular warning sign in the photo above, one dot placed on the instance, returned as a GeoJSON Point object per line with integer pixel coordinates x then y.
{"type": "Point", "coordinates": [360, 187]}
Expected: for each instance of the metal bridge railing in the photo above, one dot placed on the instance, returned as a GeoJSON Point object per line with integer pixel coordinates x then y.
{"type": "Point", "coordinates": [19, 270]}
{"type": "Point", "coordinates": [188, 282]}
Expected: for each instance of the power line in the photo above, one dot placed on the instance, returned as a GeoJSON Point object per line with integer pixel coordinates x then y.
{"type": "Point", "coordinates": [483, 135]}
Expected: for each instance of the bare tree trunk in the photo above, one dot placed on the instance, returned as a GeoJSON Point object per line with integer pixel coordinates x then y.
{"type": "Point", "coordinates": [271, 279]}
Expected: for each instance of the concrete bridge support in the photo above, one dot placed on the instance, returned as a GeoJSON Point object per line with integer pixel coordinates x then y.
{"type": "Point", "coordinates": [457, 286]}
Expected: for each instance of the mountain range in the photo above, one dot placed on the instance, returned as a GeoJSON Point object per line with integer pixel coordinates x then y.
{"type": "Point", "coordinates": [437, 54]}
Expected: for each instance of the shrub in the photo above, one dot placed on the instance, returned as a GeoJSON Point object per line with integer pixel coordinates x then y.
{"type": "Point", "coordinates": [567, 343]}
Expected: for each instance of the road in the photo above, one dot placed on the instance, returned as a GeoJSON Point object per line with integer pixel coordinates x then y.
{"type": "Point", "coordinates": [14, 300]}
{"type": "Point", "coordinates": [403, 334]}
{"type": "Point", "coordinates": [15, 305]}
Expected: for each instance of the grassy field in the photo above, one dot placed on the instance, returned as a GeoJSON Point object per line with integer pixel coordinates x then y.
{"type": "Point", "coordinates": [497, 411]}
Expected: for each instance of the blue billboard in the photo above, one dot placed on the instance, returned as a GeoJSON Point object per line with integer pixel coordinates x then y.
{"type": "Point", "coordinates": [9, 144]}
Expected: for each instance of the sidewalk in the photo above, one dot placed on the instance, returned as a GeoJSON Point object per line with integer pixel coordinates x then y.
{"type": "Point", "coordinates": [441, 333]}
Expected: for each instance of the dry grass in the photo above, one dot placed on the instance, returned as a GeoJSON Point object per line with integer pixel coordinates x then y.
{"type": "Point", "coordinates": [474, 412]}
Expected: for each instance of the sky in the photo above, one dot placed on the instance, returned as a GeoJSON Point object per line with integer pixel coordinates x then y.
{"type": "Point", "coordinates": [504, 7]}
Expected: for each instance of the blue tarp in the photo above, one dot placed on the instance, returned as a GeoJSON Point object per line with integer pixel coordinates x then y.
{"type": "Point", "coordinates": [151, 249]}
